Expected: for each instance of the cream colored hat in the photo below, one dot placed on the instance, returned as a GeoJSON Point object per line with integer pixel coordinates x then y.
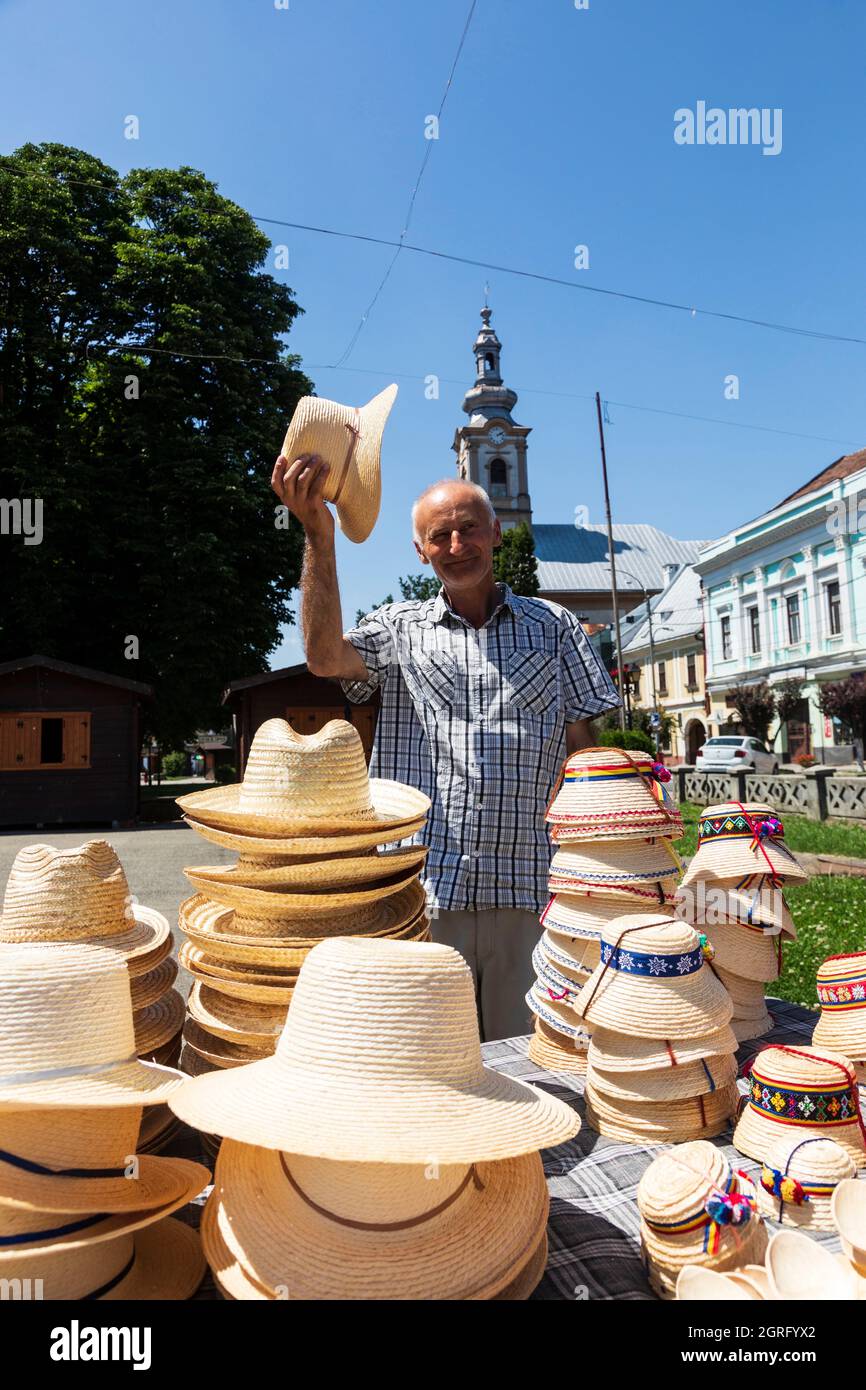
{"type": "Point", "coordinates": [554, 1051]}
{"type": "Point", "coordinates": [798, 1179]}
{"type": "Point", "coordinates": [605, 792]}
{"type": "Point", "coordinates": [576, 956]}
{"type": "Point", "coordinates": [557, 1013]}
{"type": "Point", "coordinates": [842, 996]}
{"type": "Point", "coordinates": [296, 784]}
{"type": "Point", "coordinates": [271, 904]}
{"type": "Point", "coordinates": [737, 841]}
{"type": "Point", "coordinates": [573, 915]}
{"type": "Point", "coordinates": [331, 875]}
{"type": "Point", "coordinates": [568, 980]}
{"type": "Point", "coordinates": [163, 1261]}
{"type": "Point", "coordinates": [848, 1210]}
{"type": "Point", "coordinates": [801, 1092]}
{"type": "Point", "coordinates": [698, 1285]}
{"type": "Point", "coordinates": [706, 902]}
{"type": "Point", "coordinates": [615, 867]}
{"type": "Point", "coordinates": [747, 995]}
{"type": "Point", "coordinates": [659, 1121]}
{"type": "Point", "coordinates": [803, 1271]}
{"type": "Point", "coordinates": [336, 842]}
{"type": "Point", "coordinates": [77, 895]}
{"type": "Point", "coordinates": [667, 1083]}
{"type": "Point", "coordinates": [349, 439]}
{"type": "Point", "coordinates": [653, 981]}
{"type": "Point", "coordinates": [749, 953]}
{"type": "Point", "coordinates": [379, 1062]}
{"type": "Point", "coordinates": [618, 1052]}
{"type": "Point", "coordinates": [67, 1036]}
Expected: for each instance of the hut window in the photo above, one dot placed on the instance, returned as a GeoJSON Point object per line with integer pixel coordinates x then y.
{"type": "Point", "coordinates": [51, 741]}
{"type": "Point", "coordinates": [31, 739]}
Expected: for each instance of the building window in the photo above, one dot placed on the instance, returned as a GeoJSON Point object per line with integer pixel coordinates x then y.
{"type": "Point", "coordinates": [834, 608]}
{"type": "Point", "coordinates": [662, 677]}
{"type": "Point", "coordinates": [692, 671]}
{"type": "Point", "coordinates": [498, 478]}
{"type": "Point", "coordinates": [792, 607]}
{"type": "Point", "coordinates": [725, 626]}
{"type": "Point", "coordinates": [31, 740]}
{"type": "Point", "coordinates": [754, 630]}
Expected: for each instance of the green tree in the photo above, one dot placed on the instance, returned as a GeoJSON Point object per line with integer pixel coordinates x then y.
{"type": "Point", "coordinates": [154, 465]}
{"type": "Point", "coordinates": [788, 693]}
{"type": "Point", "coordinates": [414, 586]}
{"type": "Point", "coordinates": [514, 563]}
{"type": "Point", "coordinates": [846, 701]}
{"type": "Point", "coordinates": [755, 706]}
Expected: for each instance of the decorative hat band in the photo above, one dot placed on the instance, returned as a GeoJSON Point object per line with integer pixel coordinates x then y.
{"type": "Point", "coordinates": [642, 963]}
{"type": "Point", "coordinates": [789, 1189]}
{"type": "Point", "coordinates": [615, 772]}
{"type": "Point", "coordinates": [725, 1206]}
{"type": "Point", "coordinates": [472, 1176]}
{"type": "Point", "coordinates": [842, 994]}
{"type": "Point", "coordinates": [818, 1105]}
{"type": "Point", "coordinates": [27, 1165]}
{"type": "Point", "coordinates": [600, 880]}
{"type": "Point", "coordinates": [740, 827]}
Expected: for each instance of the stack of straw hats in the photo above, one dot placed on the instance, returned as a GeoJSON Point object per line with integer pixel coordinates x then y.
{"type": "Point", "coordinates": [374, 1156]}
{"type": "Point", "coordinates": [80, 1210]}
{"type": "Point", "coordinates": [78, 896]}
{"type": "Point", "coordinates": [695, 1210]}
{"type": "Point", "coordinates": [842, 998]}
{"type": "Point", "coordinates": [661, 1064]}
{"type": "Point", "coordinates": [307, 821]}
{"type": "Point", "coordinates": [612, 823]}
{"type": "Point", "coordinates": [796, 1269]}
{"type": "Point", "coordinates": [799, 1093]}
{"type": "Point", "coordinates": [732, 891]}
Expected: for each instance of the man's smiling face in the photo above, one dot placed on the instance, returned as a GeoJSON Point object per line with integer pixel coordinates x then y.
{"type": "Point", "coordinates": [456, 534]}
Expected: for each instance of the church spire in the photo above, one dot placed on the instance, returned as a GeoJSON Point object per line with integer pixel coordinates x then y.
{"type": "Point", "coordinates": [488, 399]}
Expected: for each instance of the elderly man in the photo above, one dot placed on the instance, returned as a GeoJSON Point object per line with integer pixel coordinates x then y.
{"type": "Point", "coordinates": [483, 694]}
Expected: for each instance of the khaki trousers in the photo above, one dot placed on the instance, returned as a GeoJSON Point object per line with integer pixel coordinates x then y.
{"type": "Point", "coordinates": [497, 944]}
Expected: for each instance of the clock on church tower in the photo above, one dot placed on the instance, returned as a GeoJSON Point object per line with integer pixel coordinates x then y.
{"type": "Point", "coordinates": [491, 448]}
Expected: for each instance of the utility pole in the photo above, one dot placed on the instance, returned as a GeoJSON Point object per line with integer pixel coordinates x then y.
{"type": "Point", "coordinates": [612, 565]}
{"type": "Point", "coordinates": [657, 729]}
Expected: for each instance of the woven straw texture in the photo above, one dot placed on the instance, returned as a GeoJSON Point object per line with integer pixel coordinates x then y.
{"type": "Point", "coordinates": [146, 989]}
{"type": "Point", "coordinates": [166, 1263]}
{"type": "Point", "coordinates": [818, 1165]}
{"type": "Point", "coordinates": [582, 915]}
{"type": "Point", "coordinates": [746, 952]}
{"type": "Point", "coordinates": [235, 1020]}
{"type": "Point", "coordinates": [217, 928]}
{"type": "Point", "coordinates": [276, 906]}
{"type": "Point", "coordinates": [558, 1014]}
{"type": "Point", "coordinates": [555, 1052]}
{"type": "Point", "coordinates": [667, 1083]}
{"type": "Point", "coordinates": [842, 995]}
{"type": "Point", "coordinates": [157, 1023]}
{"type": "Point", "coordinates": [612, 1051]}
{"type": "Point", "coordinates": [309, 846]}
{"type": "Point", "coordinates": [791, 1084]}
{"type": "Point", "coordinates": [613, 867]}
{"type": "Point", "coordinates": [757, 904]}
{"type": "Point", "coordinates": [606, 793]}
{"type": "Point", "coordinates": [330, 874]}
{"type": "Point", "coordinates": [577, 957]}
{"type": "Point", "coordinates": [721, 859]}
{"type": "Point", "coordinates": [689, 1115]}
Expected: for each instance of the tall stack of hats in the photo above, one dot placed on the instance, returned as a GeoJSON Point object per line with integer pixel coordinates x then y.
{"type": "Point", "coordinates": [83, 1215]}
{"type": "Point", "coordinates": [374, 1156]}
{"type": "Point", "coordinates": [732, 891]}
{"type": "Point", "coordinates": [80, 895]}
{"type": "Point", "coordinates": [307, 821]}
{"type": "Point", "coordinates": [842, 998]}
{"type": "Point", "coordinates": [799, 1093]}
{"type": "Point", "coordinates": [661, 1064]}
{"type": "Point", "coordinates": [612, 823]}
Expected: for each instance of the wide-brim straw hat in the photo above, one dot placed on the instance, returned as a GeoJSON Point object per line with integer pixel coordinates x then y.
{"type": "Point", "coordinates": [575, 956]}
{"type": "Point", "coordinates": [349, 439]}
{"type": "Point", "coordinates": [747, 902]}
{"type": "Point", "coordinates": [667, 1083]}
{"type": "Point", "coordinates": [746, 952]}
{"type": "Point", "coordinates": [688, 1199]}
{"type": "Point", "coordinates": [296, 784]}
{"type": "Point", "coordinates": [78, 895]}
{"type": "Point", "coordinates": [653, 982]}
{"type": "Point", "coordinates": [158, 1023]}
{"type": "Point", "coordinates": [146, 989]}
{"type": "Point", "coordinates": [609, 790]}
{"type": "Point", "coordinates": [732, 843]}
{"type": "Point", "coordinates": [235, 1020]}
{"type": "Point", "coordinates": [307, 846]}
{"type": "Point", "coordinates": [275, 905]}
{"type": "Point", "coordinates": [163, 1261]}
{"type": "Point", "coordinates": [842, 997]}
{"type": "Point", "coordinates": [158, 1129]}
{"type": "Point", "coordinates": [85, 1160]}
{"type": "Point", "coordinates": [621, 1052]}
{"type": "Point", "coordinates": [582, 915]}
{"type": "Point", "coordinates": [558, 1014]}
{"type": "Point", "coordinates": [379, 1062]}
{"type": "Point", "coordinates": [553, 1051]}
{"type": "Point", "coordinates": [340, 871]}
{"type": "Point", "coordinates": [438, 1231]}
{"type": "Point", "coordinates": [218, 1051]}
{"type": "Point", "coordinates": [801, 1270]}
{"type": "Point", "coordinates": [667, 1118]}
{"type": "Point", "coordinates": [598, 864]}
{"type": "Point", "coordinates": [67, 1036]}
{"type": "Point", "coordinates": [800, 1092]}
{"type": "Point", "coordinates": [798, 1179]}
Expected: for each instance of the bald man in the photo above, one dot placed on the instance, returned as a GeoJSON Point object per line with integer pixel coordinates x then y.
{"type": "Point", "coordinates": [483, 693]}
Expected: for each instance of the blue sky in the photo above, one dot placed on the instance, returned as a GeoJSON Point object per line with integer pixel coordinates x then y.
{"type": "Point", "coordinates": [558, 130]}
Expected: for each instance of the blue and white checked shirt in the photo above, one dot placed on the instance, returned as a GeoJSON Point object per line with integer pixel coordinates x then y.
{"type": "Point", "coordinates": [476, 719]}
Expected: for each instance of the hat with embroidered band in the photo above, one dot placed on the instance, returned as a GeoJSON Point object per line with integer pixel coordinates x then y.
{"type": "Point", "coordinates": [349, 440]}
{"type": "Point", "coordinates": [78, 896]}
{"type": "Point", "coordinates": [576, 956]}
{"type": "Point", "coordinates": [800, 1091]}
{"type": "Point", "coordinates": [581, 915]}
{"type": "Point", "coordinates": [553, 1051]}
{"type": "Point", "coordinates": [606, 792]}
{"type": "Point", "coordinates": [736, 840]}
{"type": "Point", "coordinates": [667, 1083]}
{"type": "Point", "coordinates": [335, 843]}
{"type": "Point", "coordinates": [695, 1209]}
{"type": "Point", "coordinates": [842, 997]}
{"type": "Point", "coordinates": [618, 1052]}
{"type": "Point", "coordinates": [296, 784]}
{"type": "Point", "coordinates": [653, 981]}
{"type": "Point", "coordinates": [404, 1013]}
{"type": "Point", "coordinates": [614, 868]}
{"type": "Point", "coordinates": [163, 1261]}
{"type": "Point", "coordinates": [798, 1179]}
{"type": "Point", "coordinates": [567, 983]}
{"type": "Point", "coordinates": [333, 873]}
{"type": "Point", "coordinates": [66, 1036]}
{"type": "Point", "coordinates": [85, 1160]}
{"type": "Point", "coordinates": [325, 1229]}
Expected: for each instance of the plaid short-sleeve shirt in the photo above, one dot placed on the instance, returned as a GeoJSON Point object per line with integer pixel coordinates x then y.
{"type": "Point", "coordinates": [476, 719]}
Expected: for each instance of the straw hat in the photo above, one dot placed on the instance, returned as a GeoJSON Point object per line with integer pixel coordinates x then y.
{"type": "Point", "coordinates": [667, 1083]}
{"type": "Point", "coordinates": [336, 872]}
{"type": "Point", "coordinates": [615, 868]}
{"type": "Point", "coordinates": [576, 956]}
{"type": "Point", "coordinates": [842, 996]}
{"type": "Point", "coordinates": [66, 1037]}
{"type": "Point", "coordinates": [798, 1179]}
{"type": "Point", "coordinates": [307, 783]}
{"type": "Point", "coordinates": [800, 1091]}
{"type": "Point", "coordinates": [308, 846]}
{"type": "Point", "coordinates": [604, 790]}
{"type": "Point", "coordinates": [557, 1013]}
{"type": "Point", "coordinates": [801, 1270]}
{"type": "Point", "coordinates": [564, 985]}
{"type": "Point", "coordinates": [554, 1052]}
{"type": "Point", "coordinates": [707, 903]}
{"type": "Point", "coordinates": [747, 995]}
{"type": "Point", "coordinates": [78, 895]}
{"type": "Point", "coordinates": [653, 981]}
{"type": "Point", "coordinates": [158, 1023]}
{"type": "Point", "coordinates": [745, 952]}
{"type": "Point", "coordinates": [737, 840]}
{"type": "Point", "coordinates": [573, 915]}
{"type": "Point", "coordinates": [320, 1229]}
{"type": "Point", "coordinates": [747, 1029]}
{"type": "Point", "coordinates": [379, 1062]}
{"type": "Point", "coordinates": [213, 969]}
{"type": "Point", "coordinates": [158, 1128]}
{"type": "Point", "coordinates": [146, 989]}
{"type": "Point", "coordinates": [220, 1052]}
{"type": "Point", "coordinates": [164, 1261]}
{"type": "Point", "coordinates": [619, 1052]}
{"type": "Point", "coordinates": [660, 1120]}
{"type": "Point", "coordinates": [349, 439]}
{"type": "Point", "coordinates": [695, 1284]}
{"type": "Point", "coordinates": [85, 1160]}
{"type": "Point", "coordinates": [235, 1020]}
{"type": "Point", "coordinates": [695, 1210]}
{"type": "Point", "coordinates": [848, 1211]}
{"type": "Point", "coordinates": [269, 904]}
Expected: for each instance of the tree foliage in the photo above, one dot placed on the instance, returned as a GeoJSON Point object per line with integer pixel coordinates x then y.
{"type": "Point", "coordinates": [514, 563]}
{"type": "Point", "coordinates": [413, 586]}
{"type": "Point", "coordinates": [153, 466]}
{"type": "Point", "coordinates": [846, 701]}
{"type": "Point", "coordinates": [789, 694]}
{"type": "Point", "coordinates": [755, 706]}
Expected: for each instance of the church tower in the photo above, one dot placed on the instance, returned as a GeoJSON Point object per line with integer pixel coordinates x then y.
{"type": "Point", "coordinates": [491, 449]}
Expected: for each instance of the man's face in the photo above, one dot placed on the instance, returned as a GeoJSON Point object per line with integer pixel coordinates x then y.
{"type": "Point", "coordinates": [457, 537]}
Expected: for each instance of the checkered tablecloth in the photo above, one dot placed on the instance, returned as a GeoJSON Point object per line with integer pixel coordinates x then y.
{"type": "Point", "coordinates": [593, 1229]}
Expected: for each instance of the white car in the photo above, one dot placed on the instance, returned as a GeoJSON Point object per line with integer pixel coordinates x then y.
{"type": "Point", "coordinates": [729, 753]}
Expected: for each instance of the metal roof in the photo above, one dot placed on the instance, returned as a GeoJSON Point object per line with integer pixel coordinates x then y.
{"type": "Point", "coordinates": [676, 613]}
{"type": "Point", "coordinates": [67, 668]}
{"type": "Point", "coordinates": [574, 559]}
